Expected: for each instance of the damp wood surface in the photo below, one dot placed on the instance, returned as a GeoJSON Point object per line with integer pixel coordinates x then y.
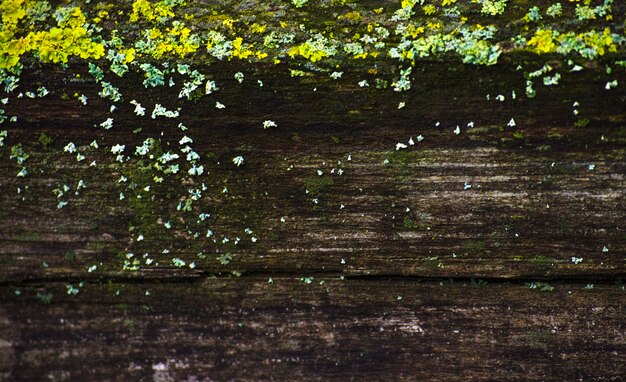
{"type": "Point", "coordinates": [249, 329]}
{"type": "Point", "coordinates": [493, 201]}
{"type": "Point", "coordinates": [395, 269]}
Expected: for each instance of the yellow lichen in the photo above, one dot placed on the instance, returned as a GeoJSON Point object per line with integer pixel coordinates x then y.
{"type": "Point", "coordinates": [12, 12]}
{"type": "Point", "coordinates": [149, 11]}
{"type": "Point", "coordinates": [68, 38]}
{"type": "Point", "coordinates": [542, 41]}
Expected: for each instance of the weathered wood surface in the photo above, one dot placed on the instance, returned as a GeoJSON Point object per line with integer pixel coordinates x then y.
{"type": "Point", "coordinates": [534, 202]}
{"type": "Point", "coordinates": [247, 329]}
{"type": "Point", "coordinates": [167, 323]}
{"type": "Point", "coordinates": [394, 270]}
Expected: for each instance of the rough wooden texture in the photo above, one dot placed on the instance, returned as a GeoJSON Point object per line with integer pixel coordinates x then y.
{"type": "Point", "coordinates": [401, 262]}
{"type": "Point", "coordinates": [247, 329]}
{"type": "Point", "coordinates": [532, 205]}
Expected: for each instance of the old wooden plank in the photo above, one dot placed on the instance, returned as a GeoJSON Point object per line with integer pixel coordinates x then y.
{"type": "Point", "coordinates": [514, 278]}
{"type": "Point", "coordinates": [249, 329]}
{"type": "Point", "coordinates": [534, 202]}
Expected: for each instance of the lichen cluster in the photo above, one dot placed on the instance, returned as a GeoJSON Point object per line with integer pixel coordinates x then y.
{"type": "Point", "coordinates": [416, 29]}
{"type": "Point", "coordinates": [71, 36]}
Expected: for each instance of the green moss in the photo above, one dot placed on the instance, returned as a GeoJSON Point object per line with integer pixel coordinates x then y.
{"type": "Point", "coordinates": [541, 260]}
{"type": "Point", "coordinates": [408, 223]}
{"type": "Point", "coordinates": [432, 262]}
{"type": "Point", "coordinates": [26, 236]}
{"type": "Point", "coordinates": [70, 256]}
{"type": "Point", "coordinates": [421, 224]}
{"type": "Point", "coordinates": [145, 210]}
{"type": "Point", "coordinates": [473, 246]}
{"type": "Point", "coordinates": [45, 141]}
{"type": "Point", "coordinates": [401, 156]}
{"type": "Point", "coordinates": [582, 122]}
{"type": "Point", "coordinates": [316, 184]}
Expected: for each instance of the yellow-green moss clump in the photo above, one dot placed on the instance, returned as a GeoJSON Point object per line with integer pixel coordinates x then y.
{"type": "Point", "coordinates": [413, 30]}
{"type": "Point", "coordinates": [70, 36]}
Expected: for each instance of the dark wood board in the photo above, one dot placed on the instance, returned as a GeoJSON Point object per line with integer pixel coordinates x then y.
{"type": "Point", "coordinates": [498, 253]}
{"type": "Point", "coordinates": [249, 329]}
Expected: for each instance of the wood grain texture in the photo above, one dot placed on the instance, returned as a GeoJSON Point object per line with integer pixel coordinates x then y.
{"type": "Point", "coordinates": [408, 228]}
{"type": "Point", "coordinates": [532, 206]}
{"type": "Point", "coordinates": [248, 329]}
